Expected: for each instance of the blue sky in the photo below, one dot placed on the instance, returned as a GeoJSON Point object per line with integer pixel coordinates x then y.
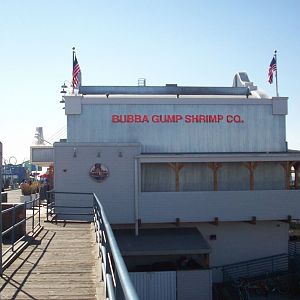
{"type": "Point", "coordinates": [195, 43]}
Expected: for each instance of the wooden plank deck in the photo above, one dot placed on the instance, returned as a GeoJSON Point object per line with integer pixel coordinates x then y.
{"type": "Point", "coordinates": [59, 264]}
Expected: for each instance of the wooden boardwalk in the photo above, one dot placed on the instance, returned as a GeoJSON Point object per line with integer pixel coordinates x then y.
{"type": "Point", "coordinates": [59, 264]}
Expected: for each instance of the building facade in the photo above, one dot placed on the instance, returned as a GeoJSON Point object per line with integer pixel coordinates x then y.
{"type": "Point", "coordinates": [182, 158]}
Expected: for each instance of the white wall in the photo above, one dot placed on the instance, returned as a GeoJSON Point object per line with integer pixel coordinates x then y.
{"type": "Point", "coordinates": [116, 192]}
{"type": "Point", "coordinates": [226, 205]}
{"type": "Point", "coordinates": [241, 241]}
{"type": "Point", "coordinates": [194, 285]}
{"type": "Point", "coordinates": [223, 136]}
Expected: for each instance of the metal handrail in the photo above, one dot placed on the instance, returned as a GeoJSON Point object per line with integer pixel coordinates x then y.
{"type": "Point", "coordinates": [16, 224]}
{"type": "Point", "coordinates": [255, 267]}
{"type": "Point", "coordinates": [107, 247]}
{"type": "Point", "coordinates": [127, 286]}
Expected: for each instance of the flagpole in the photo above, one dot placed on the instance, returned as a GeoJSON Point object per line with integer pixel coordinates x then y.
{"type": "Point", "coordinates": [275, 55]}
{"type": "Point", "coordinates": [73, 48]}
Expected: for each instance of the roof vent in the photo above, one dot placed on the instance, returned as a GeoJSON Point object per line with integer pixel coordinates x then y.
{"type": "Point", "coordinates": [142, 82]}
{"type": "Point", "coordinates": [241, 79]}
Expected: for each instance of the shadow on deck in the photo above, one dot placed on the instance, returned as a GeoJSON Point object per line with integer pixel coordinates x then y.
{"type": "Point", "coordinates": [60, 263]}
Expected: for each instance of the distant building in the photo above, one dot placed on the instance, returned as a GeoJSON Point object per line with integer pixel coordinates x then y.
{"type": "Point", "coordinates": [13, 174]}
{"type": "Point", "coordinates": [203, 175]}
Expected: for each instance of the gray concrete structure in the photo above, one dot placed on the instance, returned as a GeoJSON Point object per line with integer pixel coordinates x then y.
{"type": "Point", "coordinates": [117, 192]}
{"type": "Point", "coordinates": [219, 163]}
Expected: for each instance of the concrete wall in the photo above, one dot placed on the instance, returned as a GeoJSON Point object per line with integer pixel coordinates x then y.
{"type": "Point", "coordinates": [93, 123]}
{"type": "Point", "coordinates": [194, 285]}
{"type": "Point", "coordinates": [226, 205]}
{"type": "Point", "coordinates": [234, 242]}
{"type": "Point", "coordinates": [116, 192]}
{"type": "Point", "coordinates": [237, 242]}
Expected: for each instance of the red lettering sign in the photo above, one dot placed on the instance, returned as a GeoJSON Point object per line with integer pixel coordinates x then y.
{"type": "Point", "coordinates": [176, 118]}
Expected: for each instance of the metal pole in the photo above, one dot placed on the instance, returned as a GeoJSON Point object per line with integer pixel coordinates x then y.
{"type": "Point", "coordinates": [276, 77]}
{"type": "Point", "coordinates": [73, 69]}
{"type": "Point", "coordinates": [13, 229]}
{"type": "Point", "coordinates": [136, 195]}
{"type": "Point", "coordinates": [47, 198]}
{"type": "Point", "coordinates": [1, 209]}
{"type": "Point", "coordinates": [39, 211]}
{"type": "Point", "coordinates": [32, 203]}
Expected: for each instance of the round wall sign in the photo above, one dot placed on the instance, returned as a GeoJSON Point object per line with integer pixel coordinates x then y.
{"type": "Point", "coordinates": [99, 172]}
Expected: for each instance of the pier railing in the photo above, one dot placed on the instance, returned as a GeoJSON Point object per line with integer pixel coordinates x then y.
{"type": "Point", "coordinates": [20, 222]}
{"type": "Point", "coordinates": [276, 264]}
{"type": "Point", "coordinates": [113, 267]}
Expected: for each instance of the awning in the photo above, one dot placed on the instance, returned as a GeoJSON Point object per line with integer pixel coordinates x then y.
{"type": "Point", "coordinates": [161, 241]}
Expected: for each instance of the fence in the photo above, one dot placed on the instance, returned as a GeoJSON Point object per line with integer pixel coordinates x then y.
{"type": "Point", "coordinates": [18, 227]}
{"type": "Point", "coordinates": [112, 264]}
{"type": "Point", "coordinates": [294, 248]}
{"type": "Point", "coordinates": [256, 267]}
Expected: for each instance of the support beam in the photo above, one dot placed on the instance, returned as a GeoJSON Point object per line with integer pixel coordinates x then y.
{"type": "Point", "coordinates": [215, 166]}
{"type": "Point", "coordinates": [205, 260]}
{"type": "Point", "coordinates": [176, 167]}
{"type": "Point", "coordinates": [297, 169]}
{"type": "Point", "coordinates": [287, 169]}
{"type": "Point", "coordinates": [251, 166]}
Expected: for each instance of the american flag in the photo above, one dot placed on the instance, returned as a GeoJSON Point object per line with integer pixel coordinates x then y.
{"type": "Point", "coordinates": [76, 74]}
{"type": "Point", "coordinates": [272, 69]}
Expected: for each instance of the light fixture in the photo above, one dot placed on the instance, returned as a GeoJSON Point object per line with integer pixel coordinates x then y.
{"type": "Point", "coordinates": [63, 91]}
{"type": "Point", "coordinates": [74, 152]}
{"type": "Point", "coordinates": [99, 154]}
{"type": "Point", "coordinates": [120, 154]}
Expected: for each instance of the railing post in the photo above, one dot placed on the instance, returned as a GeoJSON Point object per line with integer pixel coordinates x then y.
{"type": "Point", "coordinates": [32, 204]}
{"type": "Point", "coordinates": [1, 271]}
{"type": "Point", "coordinates": [39, 210]}
{"type": "Point", "coordinates": [47, 199]}
{"type": "Point", "coordinates": [13, 230]}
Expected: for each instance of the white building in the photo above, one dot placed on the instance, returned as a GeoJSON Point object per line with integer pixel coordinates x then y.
{"type": "Point", "coordinates": [198, 173]}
